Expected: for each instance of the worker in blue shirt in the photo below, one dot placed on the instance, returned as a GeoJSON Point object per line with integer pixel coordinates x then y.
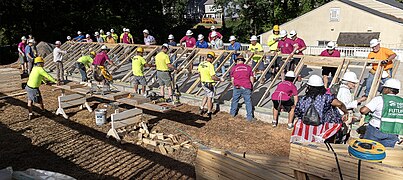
{"type": "Point", "coordinates": [235, 46]}
{"type": "Point", "coordinates": [79, 38]}
{"type": "Point", "coordinates": [201, 43]}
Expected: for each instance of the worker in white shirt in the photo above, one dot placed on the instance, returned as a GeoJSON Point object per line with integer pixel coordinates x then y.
{"type": "Point", "coordinates": [57, 58]}
{"type": "Point", "coordinates": [345, 93]}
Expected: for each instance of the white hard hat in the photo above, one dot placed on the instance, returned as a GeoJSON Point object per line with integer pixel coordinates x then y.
{"type": "Point", "coordinates": [330, 45]}
{"type": "Point", "coordinates": [127, 30]}
{"type": "Point", "coordinates": [374, 42]}
{"type": "Point", "coordinates": [213, 34]}
{"type": "Point", "coordinates": [212, 27]}
{"type": "Point", "coordinates": [23, 38]}
{"type": "Point", "coordinates": [146, 31]}
{"type": "Point", "coordinates": [171, 36]}
{"type": "Point", "coordinates": [108, 33]}
{"type": "Point", "coordinates": [104, 47]}
{"type": "Point", "coordinates": [232, 38]}
{"type": "Point", "coordinates": [96, 33]}
{"type": "Point", "coordinates": [78, 32]}
{"type": "Point", "coordinates": [124, 29]}
{"type": "Point", "coordinates": [253, 38]}
{"type": "Point", "coordinates": [315, 81]}
{"type": "Point", "coordinates": [293, 33]}
{"type": "Point", "coordinates": [200, 37]}
{"type": "Point", "coordinates": [101, 31]}
{"type": "Point", "coordinates": [350, 76]}
{"type": "Point", "coordinates": [290, 74]}
{"type": "Point", "coordinates": [31, 41]}
{"type": "Point", "coordinates": [392, 83]}
{"type": "Point", "coordinates": [68, 37]}
{"type": "Point", "coordinates": [58, 43]}
{"type": "Point", "coordinates": [87, 36]}
{"type": "Point", "coordinates": [189, 33]}
{"type": "Point", "coordinates": [165, 45]}
{"type": "Point", "coordinates": [283, 33]}
{"type": "Point", "coordinates": [112, 30]}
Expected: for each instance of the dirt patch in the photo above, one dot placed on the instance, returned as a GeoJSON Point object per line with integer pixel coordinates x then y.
{"type": "Point", "coordinates": [79, 148]}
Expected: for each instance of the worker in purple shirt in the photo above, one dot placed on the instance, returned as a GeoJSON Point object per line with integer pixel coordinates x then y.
{"type": "Point", "coordinates": [299, 45]}
{"type": "Point", "coordinates": [242, 80]}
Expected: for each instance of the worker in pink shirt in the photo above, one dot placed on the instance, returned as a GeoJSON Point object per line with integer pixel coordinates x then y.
{"type": "Point", "coordinates": [213, 29]}
{"type": "Point", "coordinates": [21, 54]}
{"type": "Point", "coordinates": [282, 100]}
{"type": "Point", "coordinates": [330, 51]}
{"type": "Point", "coordinates": [190, 41]}
{"type": "Point", "coordinates": [299, 45]}
{"type": "Point", "coordinates": [285, 46]}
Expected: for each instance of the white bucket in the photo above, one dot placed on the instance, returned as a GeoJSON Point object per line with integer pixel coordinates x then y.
{"type": "Point", "coordinates": [100, 116]}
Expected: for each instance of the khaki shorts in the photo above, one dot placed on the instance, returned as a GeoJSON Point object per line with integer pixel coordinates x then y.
{"type": "Point", "coordinates": [164, 78]}
{"type": "Point", "coordinates": [208, 91]}
{"type": "Point", "coordinates": [139, 80]}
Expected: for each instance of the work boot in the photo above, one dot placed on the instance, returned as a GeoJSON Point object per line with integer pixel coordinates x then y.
{"type": "Point", "coordinates": [169, 100]}
{"type": "Point", "coordinates": [274, 123]}
{"type": "Point", "coordinates": [209, 114]}
{"type": "Point", "coordinates": [201, 111]}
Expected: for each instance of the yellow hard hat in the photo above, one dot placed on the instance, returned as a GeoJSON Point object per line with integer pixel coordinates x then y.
{"type": "Point", "coordinates": [38, 60]}
{"type": "Point", "coordinates": [211, 55]}
{"type": "Point", "coordinates": [276, 28]}
{"type": "Point", "coordinates": [93, 53]}
{"type": "Point", "coordinates": [140, 50]}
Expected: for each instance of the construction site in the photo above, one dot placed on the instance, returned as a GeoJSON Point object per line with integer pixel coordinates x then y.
{"type": "Point", "coordinates": [143, 139]}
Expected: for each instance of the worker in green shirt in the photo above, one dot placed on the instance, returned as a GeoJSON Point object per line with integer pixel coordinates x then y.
{"type": "Point", "coordinates": [35, 79]}
{"type": "Point", "coordinates": [138, 63]}
{"type": "Point", "coordinates": [102, 34]}
{"type": "Point", "coordinates": [83, 63]}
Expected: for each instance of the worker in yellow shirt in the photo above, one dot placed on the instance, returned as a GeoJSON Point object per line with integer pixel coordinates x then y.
{"type": "Point", "coordinates": [35, 79]}
{"type": "Point", "coordinates": [83, 63]}
{"type": "Point", "coordinates": [256, 50]}
{"type": "Point", "coordinates": [164, 67]}
{"type": "Point", "coordinates": [208, 78]}
{"type": "Point", "coordinates": [272, 42]}
{"type": "Point", "coordinates": [138, 63]}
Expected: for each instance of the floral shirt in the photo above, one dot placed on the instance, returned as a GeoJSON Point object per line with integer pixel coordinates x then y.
{"type": "Point", "coordinates": [323, 104]}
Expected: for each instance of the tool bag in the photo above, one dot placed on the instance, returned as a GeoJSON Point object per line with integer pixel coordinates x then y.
{"type": "Point", "coordinates": [311, 116]}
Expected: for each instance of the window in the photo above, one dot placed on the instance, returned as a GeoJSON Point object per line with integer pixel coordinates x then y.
{"type": "Point", "coordinates": [334, 14]}
{"type": "Point", "coordinates": [323, 43]}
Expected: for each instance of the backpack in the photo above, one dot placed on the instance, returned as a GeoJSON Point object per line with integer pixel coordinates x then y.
{"type": "Point", "coordinates": [311, 116]}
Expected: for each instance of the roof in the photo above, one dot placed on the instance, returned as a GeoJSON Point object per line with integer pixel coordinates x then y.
{"type": "Point", "coordinates": [209, 2]}
{"type": "Point", "coordinates": [382, 8]}
{"type": "Point", "coordinates": [356, 39]}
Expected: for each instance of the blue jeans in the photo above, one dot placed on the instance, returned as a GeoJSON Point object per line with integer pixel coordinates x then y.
{"type": "Point", "coordinates": [236, 96]}
{"type": "Point", "coordinates": [83, 72]}
{"type": "Point", "coordinates": [369, 81]}
{"type": "Point", "coordinates": [387, 140]}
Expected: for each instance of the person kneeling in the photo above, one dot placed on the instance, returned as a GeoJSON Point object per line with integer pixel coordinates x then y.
{"type": "Point", "coordinates": [281, 98]}
{"type": "Point", "coordinates": [387, 116]}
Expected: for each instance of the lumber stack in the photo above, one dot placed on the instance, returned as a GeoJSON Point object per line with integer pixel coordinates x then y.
{"type": "Point", "coordinates": [226, 165]}
{"type": "Point", "coordinates": [11, 81]}
{"type": "Point", "coordinates": [315, 159]}
{"type": "Point", "coordinates": [164, 143]}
